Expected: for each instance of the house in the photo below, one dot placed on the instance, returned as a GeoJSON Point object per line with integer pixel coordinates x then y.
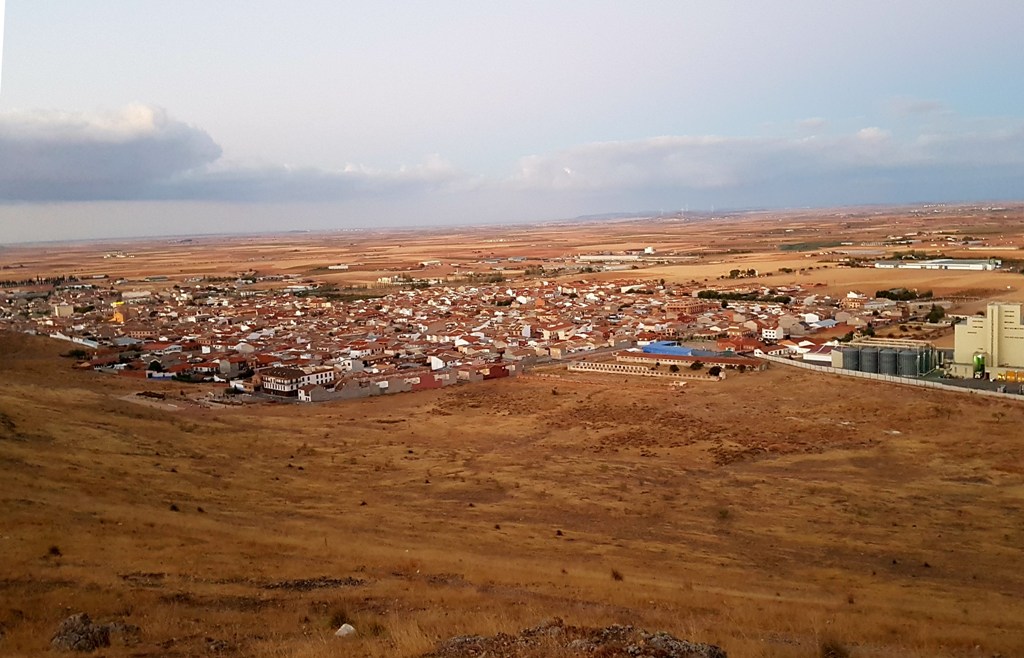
{"type": "Point", "coordinates": [772, 350]}
{"type": "Point", "coordinates": [444, 360]}
{"type": "Point", "coordinates": [315, 393]}
{"type": "Point", "coordinates": [287, 380]}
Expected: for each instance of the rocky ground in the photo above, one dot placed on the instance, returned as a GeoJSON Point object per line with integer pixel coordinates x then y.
{"type": "Point", "coordinates": [555, 638]}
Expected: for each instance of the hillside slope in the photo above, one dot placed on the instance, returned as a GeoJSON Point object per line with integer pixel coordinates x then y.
{"type": "Point", "coordinates": [766, 514]}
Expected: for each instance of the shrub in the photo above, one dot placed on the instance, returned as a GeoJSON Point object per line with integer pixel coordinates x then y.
{"type": "Point", "coordinates": [339, 616]}
{"type": "Point", "coordinates": [617, 575]}
{"type": "Point", "coordinates": [831, 648]}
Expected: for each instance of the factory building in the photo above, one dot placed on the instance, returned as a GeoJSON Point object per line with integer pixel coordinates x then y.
{"type": "Point", "coordinates": [887, 356]}
{"type": "Point", "coordinates": [991, 346]}
{"type": "Point", "coordinates": [941, 264]}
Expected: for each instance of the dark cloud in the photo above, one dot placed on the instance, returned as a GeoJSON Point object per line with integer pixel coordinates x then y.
{"type": "Point", "coordinates": [141, 154]}
{"type": "Point", "coordinates": [49, 156]}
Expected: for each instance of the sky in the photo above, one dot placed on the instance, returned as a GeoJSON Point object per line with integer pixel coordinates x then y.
{"type": "Point", "coordinates": [124, 118]}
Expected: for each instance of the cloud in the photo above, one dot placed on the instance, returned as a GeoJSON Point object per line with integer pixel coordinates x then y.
{"type": "Point", "coordinates": [224, 182]}
{"type": "Point", "coordinates": [139, 153]}
{"type": "Point", "coordinates": [906, 106]}
{"type": "Point", "coordinates": [873, 134]}
{"type": "Point", "coordinates": [67, 156]}
{"type": "Point", "coordinates": [812, 123]}
{"type": "Point", "coordinates": [764, 170]}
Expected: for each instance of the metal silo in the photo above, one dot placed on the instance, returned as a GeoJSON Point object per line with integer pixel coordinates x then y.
{"type": "Point", "coordinates": [887, 362]}
{"type": "Point", "coordinates": [851, 358]}
{"type": "Point", "coordinates": [869, 359]}
{"type": "Point", "coordinates": [909, 363]}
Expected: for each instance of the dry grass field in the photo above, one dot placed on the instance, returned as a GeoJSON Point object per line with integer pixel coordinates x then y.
{"type": "Point", "coordinates": [767, 513]}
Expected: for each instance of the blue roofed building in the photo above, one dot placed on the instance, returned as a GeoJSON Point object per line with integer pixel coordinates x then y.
{"type": "Point", "coordinates": [667, 347]}
{"type": "Point", "coordinates": [672, 348]}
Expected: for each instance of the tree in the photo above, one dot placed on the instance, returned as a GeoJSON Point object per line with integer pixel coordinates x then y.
{"type": "Point", "coordinates": [715, 371]}
{"type": "Point", "coordinates": [155, 366]}
{"type": "Point", "coordinates": [936, 314]}
{"type": "Point", "coordinates": [696, 365]}
{"type": "Point", "coordinates": [673, 368]}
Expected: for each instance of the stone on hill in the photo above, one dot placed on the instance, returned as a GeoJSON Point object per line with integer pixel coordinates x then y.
{"type": "Point", "coordinates": [78, 633]}
{"type": "Point", "coordinates": [345, 630]}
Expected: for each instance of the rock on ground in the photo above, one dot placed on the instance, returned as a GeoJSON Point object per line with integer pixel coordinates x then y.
{"type": "Point", "coordinates": [345, 630]}
{"type": "Point", "coordinates": [554, 636]}
{"type": "Point", "coordinates": [78, 633]}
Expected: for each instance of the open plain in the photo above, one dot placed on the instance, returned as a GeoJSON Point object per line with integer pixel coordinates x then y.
{"type": "Point", "coordinates": [771, 513]}
{"type": "Point", "coordinates": [698, 248]}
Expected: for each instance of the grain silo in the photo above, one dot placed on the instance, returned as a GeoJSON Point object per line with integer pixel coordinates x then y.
{"type": "Point", "coordinates": [851, 358]}
{"type": "Point", "coordinates": [887, 362]}
{"type": "Point", "coordinates": [909, 364]}
{"type": "Point", "coordinates": [869, 359]}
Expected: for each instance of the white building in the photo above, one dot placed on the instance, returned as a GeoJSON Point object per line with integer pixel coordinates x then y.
{"type": "Point", "coordinates": [996, 339]}
{"type": "Point", "coordinates": [941, 264]}
{"type": "Point", "coordinates": [287, 381]}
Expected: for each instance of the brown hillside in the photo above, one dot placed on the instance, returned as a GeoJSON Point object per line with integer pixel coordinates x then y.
{"type": "Point", "coordinates": [767, 514]}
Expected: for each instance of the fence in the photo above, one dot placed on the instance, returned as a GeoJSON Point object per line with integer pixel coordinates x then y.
{"type": "Point", "coordinates": [641, 371]}
{"type": "Point", "coordinates": [906, 381]}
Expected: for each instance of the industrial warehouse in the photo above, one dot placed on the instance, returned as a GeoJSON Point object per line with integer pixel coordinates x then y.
{"type": "Point", "coordinates": [987, 264]}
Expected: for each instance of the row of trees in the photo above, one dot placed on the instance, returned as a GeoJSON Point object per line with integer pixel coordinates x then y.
{"type": "Point", "coordinates": [40, 281]}
{"type": "Point", "coordinates": [744, 296]}
{"type": "Point", "coordinates": [902, 294]}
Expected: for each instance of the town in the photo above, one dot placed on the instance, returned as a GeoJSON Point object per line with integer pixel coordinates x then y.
{"type": "Point", "coordinates": [305, 342]}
